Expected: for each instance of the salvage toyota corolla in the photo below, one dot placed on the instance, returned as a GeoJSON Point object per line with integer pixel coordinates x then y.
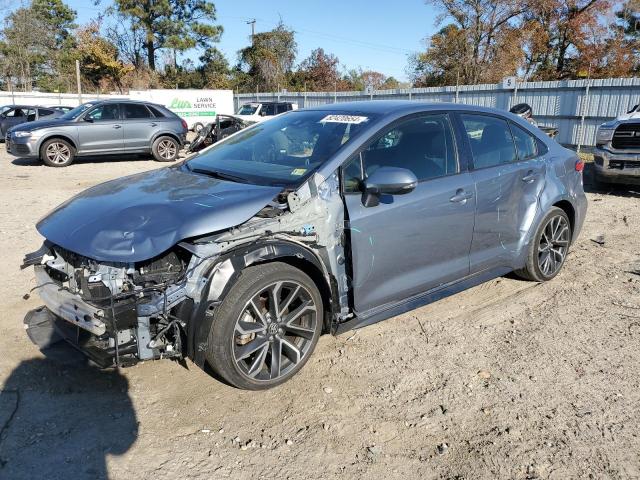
{"type": "Point", "coordinates": [319, 220]}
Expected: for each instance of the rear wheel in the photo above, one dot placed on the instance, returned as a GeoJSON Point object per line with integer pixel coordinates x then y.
{"type": "Point", "coordinates": [549, 248]}
{"type": "Point", "coordinates": [57, 153]}
{"type": "Point", "coordinates": [266, 327]}
{"type": "Point", "coordinates": [165, 149]}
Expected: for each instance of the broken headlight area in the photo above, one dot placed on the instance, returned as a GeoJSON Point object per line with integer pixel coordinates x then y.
{"type": "Point", "coordinates": [116, 313]}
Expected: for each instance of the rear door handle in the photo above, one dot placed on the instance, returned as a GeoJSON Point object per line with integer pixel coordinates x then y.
{"type": "Point", "coordinates": [461, 196]}
{"type": "Point", "coordinates": [530, 176]}
{"type": "Point", "coordinates": [117, 126]}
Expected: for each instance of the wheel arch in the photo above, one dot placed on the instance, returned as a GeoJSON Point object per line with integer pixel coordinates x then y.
{"type": "Point", "coordinates": [569, 209]}
{"type": "Point", "coordinates": [226, 271]}
{"type": "Point", "coordinates": [165, 134]}
{"type": "Point", "coordinates": [54, 136]}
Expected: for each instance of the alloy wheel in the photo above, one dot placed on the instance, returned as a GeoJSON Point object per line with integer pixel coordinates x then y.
{"type": "Point", "coordinates": [553, 245]}
{"type": "Point", "coordinates": [274, 331]}
{"type": "Point", "coordinates": [167, 149]}
{"type": "Point", "coordinates": [58, 153]}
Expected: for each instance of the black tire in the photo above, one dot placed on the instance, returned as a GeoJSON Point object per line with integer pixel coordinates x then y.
{"type": "Point", "coordinates": [537, 267]}
{"type": "Point", "coordinates": [229, 339]}
{"type": "Point", "coordinates": [197, 127]}
{"type": "Point", "coordinates": [165, 149]}
{"type": "Point", "coordinates": [57, 153]}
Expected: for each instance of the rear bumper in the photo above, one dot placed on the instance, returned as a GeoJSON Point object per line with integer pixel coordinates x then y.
{"type": "Point", "coordinates": [617, 167]}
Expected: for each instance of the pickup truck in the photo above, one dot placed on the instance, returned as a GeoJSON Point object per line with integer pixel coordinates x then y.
{"type": "Point", "coordinates": [617, 152]}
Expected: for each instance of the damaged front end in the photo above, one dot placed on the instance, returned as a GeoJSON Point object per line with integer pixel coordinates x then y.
{"type": "Point", "coordinates": [118, 313]}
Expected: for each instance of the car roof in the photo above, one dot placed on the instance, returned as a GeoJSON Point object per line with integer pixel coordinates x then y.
{"type": "Point", "coordinates": [399, 106]}
{"type": "Point", "coordinates": [122, 100]}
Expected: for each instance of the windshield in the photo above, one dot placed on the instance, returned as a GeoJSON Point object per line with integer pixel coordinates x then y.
{"type": "Point", "coordinates": [248, 109]}
{"type": "Point", "coordinates": [283, 151]}
{"type": "Point", "coordinates": [76, 112]}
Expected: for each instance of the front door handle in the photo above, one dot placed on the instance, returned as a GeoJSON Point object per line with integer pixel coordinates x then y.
{"type": "Point", "coordinates": [530, 176]}
{"type": "Point", "coordinates": [461, 196]}
{"type": "Point", "coordinates": [117, 126]}
{"type": "Point", "coordinates": [154, 124]}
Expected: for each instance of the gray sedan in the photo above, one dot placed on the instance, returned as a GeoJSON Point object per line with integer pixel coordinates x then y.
{"type": "Point", "coordinates": [101, 128]}
{"type": "Point", "coordinates": [318, 220]}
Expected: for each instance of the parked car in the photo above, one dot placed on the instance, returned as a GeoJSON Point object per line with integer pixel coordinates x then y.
{"type": "Point", "coordinates": [224, 126]}
{"type": "Point", "coordinates": [325, 219]}
{"type": "Point", "coordinates": [19, 114]}
{"type": "Point", "coordinates": [63, 108]}
{"type": "Point", "coordinates": [106, 127]}
{"type": "Point", "coordinates": [525, 111]}
{"type": "Point", "coordinates": [617, 152]}
{"type": "Point", "coordinates": [259, 111]}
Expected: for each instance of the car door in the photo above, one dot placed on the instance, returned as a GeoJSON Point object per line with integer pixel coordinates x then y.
{"type": "Point", "coordinates": [16, 116]}
{"type": "Point", "coordinates": [414, 242]}
{"type": "Point", "coordinates": [507, 189]}
{"type": "Point", "coordinates": [100, 130]}
{"type": "Point", "coordinates": [139, 125]}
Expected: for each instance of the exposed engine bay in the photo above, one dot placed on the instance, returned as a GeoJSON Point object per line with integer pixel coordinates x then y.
{"type": "Point", "coordinates": [120, 313]}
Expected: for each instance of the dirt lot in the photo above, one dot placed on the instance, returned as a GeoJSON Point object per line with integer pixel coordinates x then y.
{"type": "Point", "coordinates": [510, 379]}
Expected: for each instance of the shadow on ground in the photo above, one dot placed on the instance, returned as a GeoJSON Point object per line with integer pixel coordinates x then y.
{"type": "Point", "coordinates": [60, 418]}
{"type": "Point", "coordinates": [34, 162]}
{"type": "Point", "coordinates": [619, 190]}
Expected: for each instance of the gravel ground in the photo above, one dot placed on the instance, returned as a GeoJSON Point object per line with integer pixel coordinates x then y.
{"type": "Point", "coordinates": [508, 380]}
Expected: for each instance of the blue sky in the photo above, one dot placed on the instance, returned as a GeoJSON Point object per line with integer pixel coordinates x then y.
{"type": "Point", "coordinates": [361, 33]}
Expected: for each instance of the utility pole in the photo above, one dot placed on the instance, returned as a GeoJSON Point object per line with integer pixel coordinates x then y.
{"type": "Point", "coordinates": [78, 81]}
{"type": "Point", "coordinates": [252, 22]}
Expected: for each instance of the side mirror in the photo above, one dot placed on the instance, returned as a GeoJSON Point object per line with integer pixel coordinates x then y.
{"type": "Point", "coordinates": [263, 113]}
{"type": "Point", "coordinates": [88, 119]}
{"type": "Point", "coordinates": [389, 181]}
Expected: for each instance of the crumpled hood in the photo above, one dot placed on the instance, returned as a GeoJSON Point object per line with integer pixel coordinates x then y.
{"type": "Point", "coordinates": [140, 216]}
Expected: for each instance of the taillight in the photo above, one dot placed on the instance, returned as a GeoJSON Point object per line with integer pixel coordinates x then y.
{"type": "Point", "coordinates": [579, 166]}
{"type": "Point", "coordinates": [184, 124]}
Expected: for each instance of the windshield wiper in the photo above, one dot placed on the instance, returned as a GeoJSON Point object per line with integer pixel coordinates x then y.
{"type": "Point", "coordinates": [219, 175]}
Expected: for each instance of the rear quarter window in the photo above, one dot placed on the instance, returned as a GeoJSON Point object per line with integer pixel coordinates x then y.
{"type": "Point", "coordinates": [156, 111]}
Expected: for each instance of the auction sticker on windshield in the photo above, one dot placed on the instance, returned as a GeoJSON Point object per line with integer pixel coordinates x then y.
{"type": "Point", "coordinates": [344, 119]}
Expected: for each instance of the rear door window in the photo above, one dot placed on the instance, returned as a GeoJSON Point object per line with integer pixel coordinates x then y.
{"type": "Point", "coordinates": [281, 108]}
{"type": "Point", "coordinates": [490, 139]}
{"type": "Point", "coordinates": [43, 112]}
{"type": "Point", "coordinates": [135, 111]}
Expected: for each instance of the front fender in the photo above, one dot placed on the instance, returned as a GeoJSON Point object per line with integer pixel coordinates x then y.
{"type": "Point", "coordinates": [225, 271]}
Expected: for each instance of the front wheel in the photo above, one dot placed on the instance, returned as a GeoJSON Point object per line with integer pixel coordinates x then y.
{"type": "Point", "coordinates": [57, 153]}
{"type": "Point", "coordinates": [165, 149]}
{"type": "Point", "coordinates": [266, 327]}
{"type": "Point", "coordinates": [548, 250]}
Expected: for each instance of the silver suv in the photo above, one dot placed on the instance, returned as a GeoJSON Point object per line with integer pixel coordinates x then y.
{"type": "Point", "coordinates": [101, 128]}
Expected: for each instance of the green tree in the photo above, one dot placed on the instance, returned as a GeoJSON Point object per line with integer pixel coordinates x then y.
{"type": "Point", "coordinates": [175, 24]}
{"type": "Point", "coordinates": [214, 69]}
{"type": "Point", "coordinates": [99, 59]}
{"type": "Point", "coordinates": [270, 58]}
